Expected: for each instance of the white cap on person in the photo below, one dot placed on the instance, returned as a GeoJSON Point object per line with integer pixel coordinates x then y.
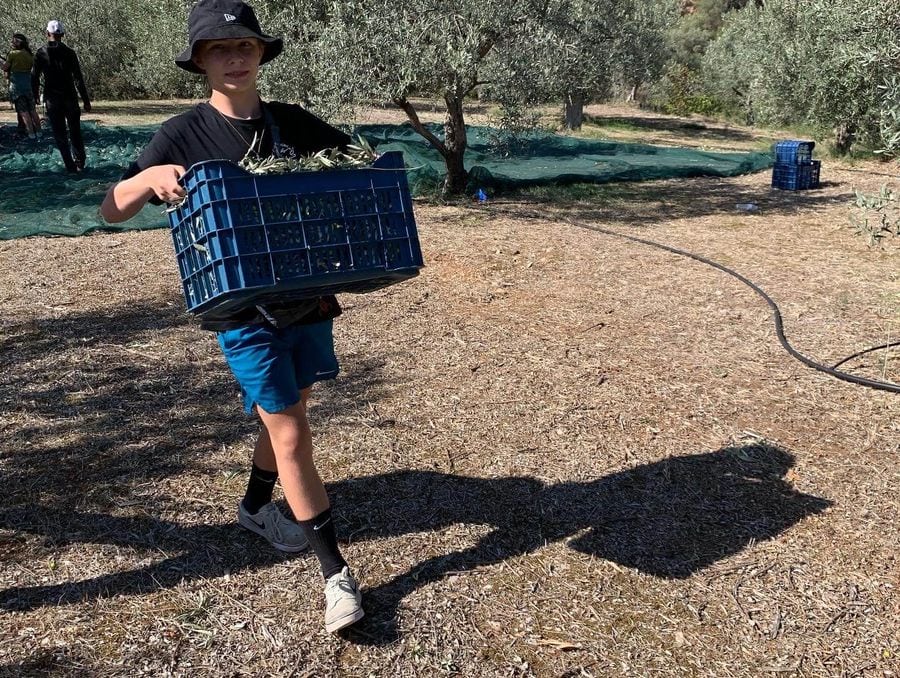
{"type": "Point", "coordinates": [55, 27]}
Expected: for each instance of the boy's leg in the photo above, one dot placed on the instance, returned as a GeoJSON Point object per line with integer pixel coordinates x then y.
{"type": "Point", "coordinates": [265, 466]}
{"type": "Point", "coordinates": [291, 441]}
{"type": "Point", "coordinates": [263, 474]}
{"type": "Point", "coordinates": [263, 454]}
{"type": "Point", "coordinates": [273, 366]}
{"type": "Point", "coordinates": [257, 513]}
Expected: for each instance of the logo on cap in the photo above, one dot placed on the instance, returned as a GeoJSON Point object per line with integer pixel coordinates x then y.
{"type": "Point", "coordinates": [230, 17]}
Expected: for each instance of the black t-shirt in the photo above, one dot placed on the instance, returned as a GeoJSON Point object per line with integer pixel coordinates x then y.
{"type": "Point", "coordinates": [203, 133]}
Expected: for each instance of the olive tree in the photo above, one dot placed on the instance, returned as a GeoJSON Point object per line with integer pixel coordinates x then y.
{"type": "Point", "coordinates": [572, 48]}
{"type": "Point", "coordinates": [599, 43]}
{"type": "Point", "coordinates": [695, 30]}
{"type": "Point", "coordinates": [890, 117]}
{"type": "Point", "coordinates": [641, 48]}
{"type": "Point", "coordinates": [158, 29]}
{"type": "Point", "coordinates": [824, 63]}
{"type": "Point", "coordinates": [563, 53]}
{"type": "Point", "coordinates": [292, 76]}
{"type": "Point", "coordinates": [515, 51]}
{"type": "Point", "coordinates": [126, 47]}
{"type": "Point", "coordinates": [381, 51]}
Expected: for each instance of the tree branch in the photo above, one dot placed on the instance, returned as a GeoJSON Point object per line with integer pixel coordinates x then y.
{"type": "Point", "coordinates": [487, 45]}
{"type": "Point", "coordinates": [403, 104]}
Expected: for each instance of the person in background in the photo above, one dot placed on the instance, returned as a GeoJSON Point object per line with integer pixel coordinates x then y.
{"type": "Point", "coordinates": [58, 66]}
{"type": "Point", "coordinates": [17, 67]}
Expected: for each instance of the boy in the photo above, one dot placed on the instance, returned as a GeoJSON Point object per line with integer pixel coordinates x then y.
{"type": "Point", "coordinates": [277, 352]}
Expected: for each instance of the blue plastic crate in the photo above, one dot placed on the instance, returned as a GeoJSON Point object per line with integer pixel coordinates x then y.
{"type": "Point", "coordinates": [791, 177]}
{"type": "Point", "coordinates": [794, 152]}
{"type": "Point", "coordinates": [243, 239]}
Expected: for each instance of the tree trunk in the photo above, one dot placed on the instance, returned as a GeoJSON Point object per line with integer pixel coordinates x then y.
{"type": "Point", "coordinates": [455, 143]}
{"type": "Point", "coordinates": [574, 110]}
{"type": "Point", "coordinates": [452, 148]}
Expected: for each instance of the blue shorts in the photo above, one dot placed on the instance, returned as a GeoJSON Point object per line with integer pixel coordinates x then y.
{"type": "Point", "coordinates": [274, 365]}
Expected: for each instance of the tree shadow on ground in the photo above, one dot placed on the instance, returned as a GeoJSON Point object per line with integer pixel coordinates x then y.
{"type": "Point", "coordinates": [45, 662]}
{"type": "Point", "coordinates": [92, 414]}
{"type": "Point", "coordinates": [646, 204]}
{"type": "Point", "coordinates": [669, 519]}
{"type": "Point", "coordinates": [89, 402]}
{"type": "Point", "coordinates": [693, 128]}
{"type": "Point", "coordinates": [85, 409]}
{"type": "Point", "coordinates": [137, 108]}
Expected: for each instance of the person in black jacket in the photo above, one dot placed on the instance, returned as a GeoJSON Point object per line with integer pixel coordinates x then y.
{"type": "Point", "coordinates": [63, 83]}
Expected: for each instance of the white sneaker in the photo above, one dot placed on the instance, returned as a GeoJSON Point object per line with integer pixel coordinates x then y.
{"type": "Point", "coordinates": [271, 524]}
{"type": "Point", "coordinates": [343, 601]}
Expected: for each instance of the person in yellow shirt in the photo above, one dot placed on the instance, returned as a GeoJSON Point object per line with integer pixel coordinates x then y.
{"type": "Point", "coordinates": [17, 66]}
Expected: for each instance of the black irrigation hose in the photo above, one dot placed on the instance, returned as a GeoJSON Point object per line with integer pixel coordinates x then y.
{"type": "Point", "coordinates": [779, 325]}
{"type": "Point", "coordinates": [863, 352]}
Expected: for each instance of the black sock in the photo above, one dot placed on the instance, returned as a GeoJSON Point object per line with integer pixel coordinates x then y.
{"type": "Point", "coordinates": [259, 489]}
{"type": "Point", "coordinates": [323, 541]}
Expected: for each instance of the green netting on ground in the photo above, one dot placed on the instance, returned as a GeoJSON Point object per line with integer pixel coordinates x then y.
{"type": "Point", "coordinates": [38, 197]}
{"type": "Point", "coordinates": [541, 158]}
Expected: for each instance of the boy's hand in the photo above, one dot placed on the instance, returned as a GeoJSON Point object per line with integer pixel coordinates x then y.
{"type": "Point", "coordinates": [126, 198]}
{"type": "Point", "coordinates": [163, 181]}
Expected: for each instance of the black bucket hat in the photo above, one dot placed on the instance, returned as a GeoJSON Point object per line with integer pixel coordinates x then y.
{"type": "Point", "coordinates": [223, 20]}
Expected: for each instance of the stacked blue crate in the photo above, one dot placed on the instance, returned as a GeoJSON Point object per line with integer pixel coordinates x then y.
{"type": "Point", "coordinates": [243, 239]}
{"type": "Point", "coordinates": [794, 169]}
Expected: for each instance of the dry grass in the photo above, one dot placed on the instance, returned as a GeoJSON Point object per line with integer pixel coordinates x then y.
{"type": "Point", "coordinates": [555, 453]}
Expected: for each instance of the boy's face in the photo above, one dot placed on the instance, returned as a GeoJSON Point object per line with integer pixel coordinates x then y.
{"type": "Point", "coordinates": [230, 65]}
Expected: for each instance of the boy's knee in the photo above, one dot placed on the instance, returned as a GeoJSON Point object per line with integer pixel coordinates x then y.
{"type": "Point", "coordinates": [289, 429]}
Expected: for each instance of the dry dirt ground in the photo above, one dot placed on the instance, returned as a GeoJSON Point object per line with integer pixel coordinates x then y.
{"type": "Point", "coordinates": [554, 453]}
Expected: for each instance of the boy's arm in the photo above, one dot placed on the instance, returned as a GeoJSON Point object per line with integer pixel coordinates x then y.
{"type": "Point", "coordinates": [126, 198]}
